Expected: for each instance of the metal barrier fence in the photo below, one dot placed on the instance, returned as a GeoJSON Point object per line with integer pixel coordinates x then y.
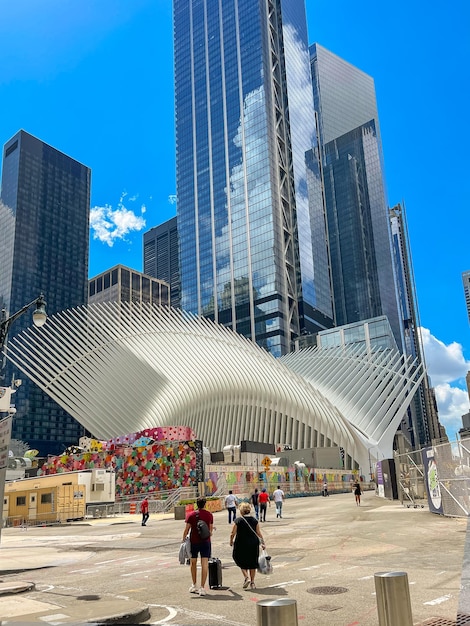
{"type": "Point", "coordinates": [100, 510]}
{"type": "Point", "coordinates": [443, 471]}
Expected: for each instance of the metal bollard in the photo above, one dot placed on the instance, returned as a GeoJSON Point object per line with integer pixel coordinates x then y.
{"type": "Point", "coordinates": [282, 612]}
{"type": "Point", "coordinates": [393, 599]}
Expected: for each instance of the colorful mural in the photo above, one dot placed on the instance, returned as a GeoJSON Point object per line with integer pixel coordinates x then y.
{"type": "Point", "coordinates": [156, 467]}
{"type": "Point", "coordinates": [244, 481]}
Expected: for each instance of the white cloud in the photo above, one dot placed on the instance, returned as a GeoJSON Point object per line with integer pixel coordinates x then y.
{"type": "Point", "coordinates": [109, 225]}
{"type": "Point", "coordinates": [452, 403]}
{"type": "Point", "coordinates": [172, 199]}
{"type": "Point", "coordinates": [446, 364]}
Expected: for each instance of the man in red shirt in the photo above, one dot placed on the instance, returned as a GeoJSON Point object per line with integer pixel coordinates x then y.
{"type": "Point", "coordinates": [199, 546]}
{"type": "Point", "coordinates": [144, 509]}
{"type": "Point", "coordinates": [263, 500]}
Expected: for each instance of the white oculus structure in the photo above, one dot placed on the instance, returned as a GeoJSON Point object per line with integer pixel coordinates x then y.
{"type": "Point", "coordinates": [120, 368]}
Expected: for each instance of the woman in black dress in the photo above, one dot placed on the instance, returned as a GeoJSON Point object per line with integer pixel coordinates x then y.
{"type": "Point", "coordinates": [357, 493]}
{"type": "Point", "coordinates": [246, 539]}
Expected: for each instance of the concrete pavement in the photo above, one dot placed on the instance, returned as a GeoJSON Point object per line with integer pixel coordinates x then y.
{"type": "Point", "coordinates": [325, 552]}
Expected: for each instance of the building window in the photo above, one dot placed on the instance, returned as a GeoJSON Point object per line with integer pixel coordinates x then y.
{"type": "Point", "coordinates": [46, 498]}
{"type": "Point", "coordinates": [21, 501]}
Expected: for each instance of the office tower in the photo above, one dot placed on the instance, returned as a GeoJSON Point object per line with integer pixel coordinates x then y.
{"type": "Point", "coordinates": [161, 257]}
{"type": "Point", "coordinates": [418, 430]}
{"type": "Point", "coordinates": [466, 290]}
{"type": "Point", "coordinates": [246, 217]}
{"type": "Point", "coordinates": [362, 271]}
{"type": "Point", "coordinates": [122, 284]}
{"type": "Point", "coordinates": [44, 215]}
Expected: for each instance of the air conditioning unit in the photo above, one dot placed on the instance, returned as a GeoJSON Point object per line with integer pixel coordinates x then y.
{"type": "Point", "coordinates": [99, 476]}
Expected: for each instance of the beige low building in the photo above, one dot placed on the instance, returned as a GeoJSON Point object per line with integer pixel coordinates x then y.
{"type": "Point", "coordinates": [57, 497]}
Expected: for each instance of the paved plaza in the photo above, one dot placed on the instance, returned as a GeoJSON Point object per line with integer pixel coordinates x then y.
{"type": "Point", "coordinates": [325, 552]}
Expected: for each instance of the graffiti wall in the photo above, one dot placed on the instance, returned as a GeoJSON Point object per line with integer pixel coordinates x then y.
{"type": "Point", "coordinates": [156, 467]}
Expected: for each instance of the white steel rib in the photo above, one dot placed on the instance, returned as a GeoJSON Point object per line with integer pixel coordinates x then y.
{"type": "Point", "coordinates": [120, 368]}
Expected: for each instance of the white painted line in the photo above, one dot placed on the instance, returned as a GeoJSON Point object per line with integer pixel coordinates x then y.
{"type": "Point", "coordinates": [137, 573]}
{"type": "Point", "coordinates": [171, 613]}
{"type": "Point", "coordinates": [366, 578]}
{"type": "Point", "coordinates": [58, 616]}
{"type": "Point", "coordinates": [288, 583]}
{"type": "Point", "coordinates": [124, 558]}
{"type": "Point", "coordinates": [82, 571]}
{"type": "Point", "coordinates": [439, 600]}
{"type": "Point", "coordinates": [305, 569]}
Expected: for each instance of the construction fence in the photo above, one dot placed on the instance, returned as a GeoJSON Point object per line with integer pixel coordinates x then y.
{"type": "Point", "coordinates": [436, 477]}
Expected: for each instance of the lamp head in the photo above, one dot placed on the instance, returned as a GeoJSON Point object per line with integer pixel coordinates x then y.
{"type": "Point", "coordinates": [40, 315]}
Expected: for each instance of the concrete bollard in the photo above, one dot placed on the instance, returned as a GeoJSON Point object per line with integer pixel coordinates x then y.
{"type": "Point", "coordinates": [393, 599]}
{"type": "Point", "coordinates": [281, 612]}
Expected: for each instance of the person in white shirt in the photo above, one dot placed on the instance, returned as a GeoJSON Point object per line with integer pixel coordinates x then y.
{"type": "Point", "coordinates": [231, 503]}
{"type": "Point", "coordinates": [278, 497]}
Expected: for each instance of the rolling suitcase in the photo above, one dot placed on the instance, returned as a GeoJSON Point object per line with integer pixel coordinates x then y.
{"type": "Point", "coordinates": [215, 573]}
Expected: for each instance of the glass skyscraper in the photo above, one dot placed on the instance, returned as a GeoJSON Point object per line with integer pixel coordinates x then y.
{"type": "Point", "coordinates": [362, 268]}
{"type": "Point", "coordinates": [250, 254]}
{"type": "Point", "coordinates": [44, 238]}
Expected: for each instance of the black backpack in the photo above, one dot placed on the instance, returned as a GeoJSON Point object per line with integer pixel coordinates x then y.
{"type": "Point", "coordinates": [202, 528]}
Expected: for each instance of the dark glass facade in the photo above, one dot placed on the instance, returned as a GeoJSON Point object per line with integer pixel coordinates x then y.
{"type": "Point", "coordinates": [44, 234]}
{"type": "Point", "coordinates": [161, 257]}
{"type": "Point", "coordinates": [363, 274]}
{"type": "Point", "coordinates": [244, 121]}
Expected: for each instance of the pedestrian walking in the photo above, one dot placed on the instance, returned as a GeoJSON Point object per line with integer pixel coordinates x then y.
{"type": "Point", "coordinates": [263, 500]}
{"type": "Point", "coordinates": [199, 546]}
{"type": "Point", "coordinates": [144, 509]}
{"type": "Point", "coordinates": [357, 493]}
{"type": "Point", "coordinates": [254, 502]}
{"type": "Point", "coordinates": [231, 503]}
{"type": "Point", "coordinates": [325, 489]}
{"type": "Point", "coordinates": [278, 497]}
{"type": "Point", "coordinates": [246, 539]}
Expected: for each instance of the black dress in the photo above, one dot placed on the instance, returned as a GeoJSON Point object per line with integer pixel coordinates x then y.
{"type": "Point", "coordinates": [246, 544]}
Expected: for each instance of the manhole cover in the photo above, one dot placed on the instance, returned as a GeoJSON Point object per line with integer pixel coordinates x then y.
{"type": "Point", "coordinates": [88, 598]}
{"type": "Point", "coordinates": [462, 620]}
{"type": "Point", "coordinates": [327, 591]}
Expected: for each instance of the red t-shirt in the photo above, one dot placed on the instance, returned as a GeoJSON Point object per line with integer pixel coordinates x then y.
{"type": "Point", "coordinates": [192, 520]}
{"type": "Point", "coordinates": [144, 507]}
{"type": "Point", "coordinates": [263, 497]}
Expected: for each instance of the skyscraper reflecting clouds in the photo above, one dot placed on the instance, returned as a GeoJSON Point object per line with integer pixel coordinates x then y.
{"type": "Point", "coordinates": [244, 123]}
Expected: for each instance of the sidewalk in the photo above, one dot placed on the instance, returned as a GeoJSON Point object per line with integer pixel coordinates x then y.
{"type": "Point", "coordinates": [111, 570]}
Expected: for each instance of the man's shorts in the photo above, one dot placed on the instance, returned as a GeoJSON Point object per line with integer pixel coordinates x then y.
{"type": "Point", "coordinates": [203, 548]}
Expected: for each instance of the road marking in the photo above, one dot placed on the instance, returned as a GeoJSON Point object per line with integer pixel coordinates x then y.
{"type": "Point", "coordinates": [123, 558]}
{"type": "Point", "coordinates": [289, 583]}
{"type": "Point", "coordinates": [171, 613]}
{"type": "Point", "coordinates": [366, 577]}
{"type": "Point", "coordinates": [305, 569]}
{"type": "Point", "coordinates": [138, 573]}
{"type": "Point", "coordinates": [439, 600]}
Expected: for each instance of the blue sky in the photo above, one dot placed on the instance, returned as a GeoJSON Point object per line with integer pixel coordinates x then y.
{"type": "Point", "coordinates": [95, 79]}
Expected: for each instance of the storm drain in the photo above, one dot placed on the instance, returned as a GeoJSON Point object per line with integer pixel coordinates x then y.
{"type": "Point", "coordinates": [88, 598]}
{"type": "Point", "coordinates": [327, 591]}
{"type": "Point", "coordinates": [462, 620]}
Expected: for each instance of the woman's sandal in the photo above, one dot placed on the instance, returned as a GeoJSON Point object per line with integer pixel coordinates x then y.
{"type": "Point", "coordinates": [252, 585]}
{"type": "Point", "coordinates": [246, 584]}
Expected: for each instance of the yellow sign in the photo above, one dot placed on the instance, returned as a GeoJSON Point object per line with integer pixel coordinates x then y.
{"type": "Point", "coordinates": [266, 462]}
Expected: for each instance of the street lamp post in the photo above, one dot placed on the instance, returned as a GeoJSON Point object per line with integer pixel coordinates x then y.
{"type": "Point", "coordinates": [39, 319]}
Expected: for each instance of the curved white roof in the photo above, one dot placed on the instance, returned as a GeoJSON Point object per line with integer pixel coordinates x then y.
{"type": "Point", "coordinates": [121, 368]}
